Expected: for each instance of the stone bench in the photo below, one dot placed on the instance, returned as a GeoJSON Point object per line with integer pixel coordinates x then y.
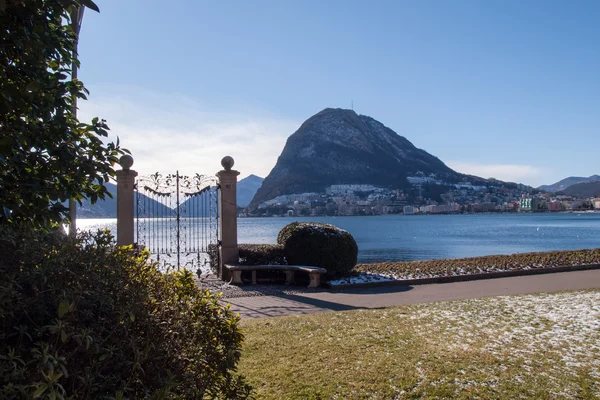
{"type": "Point", "coordinates": [314, 273]}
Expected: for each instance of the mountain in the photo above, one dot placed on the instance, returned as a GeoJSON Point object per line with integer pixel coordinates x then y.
{"type": "Point", "coordinates": [107, 208]}
{"type": "Point", "coordinates": [338, 146]}
{"type": "Point", "coordinates": [565, 183]}
{"type": "Point", "coordinates": [584, 190]}
{"type": "Point", "coordinates": [247, 188]}
{"type": "Point", "coordinates": [200, 205]}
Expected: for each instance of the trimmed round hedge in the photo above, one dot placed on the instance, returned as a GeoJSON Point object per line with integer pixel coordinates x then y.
{"type": "Point", "coordinates": [261, 254]}
{"type": "Point", "coordinates": [318, 244]}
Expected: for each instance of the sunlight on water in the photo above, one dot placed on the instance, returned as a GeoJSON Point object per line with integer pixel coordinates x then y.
{"type": "Point", "coordinates": [419, 237]}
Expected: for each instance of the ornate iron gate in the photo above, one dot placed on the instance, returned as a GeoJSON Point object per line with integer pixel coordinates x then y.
{"type": "Point", "coordinates": [177, 219]}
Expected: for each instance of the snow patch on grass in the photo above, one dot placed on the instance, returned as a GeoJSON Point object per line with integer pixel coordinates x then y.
{"type": "Point", "coordinates": [563, 327]}
{"type": "Point", "coordinates": [529, 346]}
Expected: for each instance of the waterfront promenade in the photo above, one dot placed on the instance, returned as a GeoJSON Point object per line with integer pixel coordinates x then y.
{"type": "Point", "coordinates": [315, 302]}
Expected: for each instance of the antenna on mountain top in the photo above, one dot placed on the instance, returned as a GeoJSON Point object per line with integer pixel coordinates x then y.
{"type": "Point", "coordinates": [352, 104]}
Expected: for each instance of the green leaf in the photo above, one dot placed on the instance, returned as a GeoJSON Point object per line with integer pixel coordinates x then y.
{"type": "Point", "coordinates": [32, 86]}
{"type": "Point", "coordinates": [40, 390]}
{"type": "Point", "coordinates": [63, 307]}
{"type": "Point", "coordinates": [66, 3]}
{"type": "Point", "coordinates": [90, 4]}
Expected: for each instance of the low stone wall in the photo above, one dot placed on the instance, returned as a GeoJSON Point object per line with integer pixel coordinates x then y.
{"type": "Point", "coordinates": [463, 278]}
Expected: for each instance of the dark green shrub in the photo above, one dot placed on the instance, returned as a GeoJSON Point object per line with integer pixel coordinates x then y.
{"type": "Point", "coordinates": [318, 244]}
{"type": "Point", "coordinates": [80, 319]}
{"type": "Point", "coordinates": [213, 257]}
{"type": "Point", "coordinates": [261, 254]}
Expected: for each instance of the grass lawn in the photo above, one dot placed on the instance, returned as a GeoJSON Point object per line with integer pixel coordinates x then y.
{"type": "Point", "coordinates": [533, 346]}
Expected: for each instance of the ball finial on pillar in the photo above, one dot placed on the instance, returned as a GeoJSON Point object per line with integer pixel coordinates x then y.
{"type": "Point", "coordinates": [227, 163]}
{"type": "Point", "coordinates": [126, 162]}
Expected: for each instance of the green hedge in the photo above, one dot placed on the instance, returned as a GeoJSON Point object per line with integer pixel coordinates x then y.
{"type": "Point", "coordinates": [321, 245]}
{"type": "Point", "coordinates": [80, 319]}
{"type": "Point", "coordinates": [213, 257]}
{"type": "Point", "coordinates": [261, 254]}
{"type": "Point", "coordinates": [250, 254]}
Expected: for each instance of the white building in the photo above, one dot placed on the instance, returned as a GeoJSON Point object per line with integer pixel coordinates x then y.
{"type": "Point", "coordinates": [427, 209]}
{"type": "Point", "coordinates": [350, 189]}
{"type": "Point", "coordinates": [414, 180]}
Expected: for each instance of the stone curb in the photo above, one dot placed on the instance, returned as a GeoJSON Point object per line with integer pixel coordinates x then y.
{"type": "Point", "coordinates": [464, 278]}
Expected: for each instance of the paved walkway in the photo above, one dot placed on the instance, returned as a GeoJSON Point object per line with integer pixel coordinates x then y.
{"type": "Point", "coordinates": [308, 303]}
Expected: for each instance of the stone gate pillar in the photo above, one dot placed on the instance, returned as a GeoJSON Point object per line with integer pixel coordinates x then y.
{"type": "Point", "coordinates": [228, 251]}
{"type": "Point", "coordinates": [125, 201]}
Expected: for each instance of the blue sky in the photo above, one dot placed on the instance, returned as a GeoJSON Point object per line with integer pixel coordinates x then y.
{"type": "Point", "coordinates": [505, 89]}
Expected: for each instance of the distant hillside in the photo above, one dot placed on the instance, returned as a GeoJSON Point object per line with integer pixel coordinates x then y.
{"type": "Point", "coordinates": [201, 205]}
{"type": "Point", "coordinates": [103, 208]}
{"type": "Point", "coordinates": [247, 188]}
{"type": "Point", "coordinates": [584, 190]}
{"type": "Point", "coordinates": [565, 183]}
{"type": "Point", "coordinates": [107, 208]}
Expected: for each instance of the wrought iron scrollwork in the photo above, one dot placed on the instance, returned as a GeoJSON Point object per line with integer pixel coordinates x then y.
{"type": "Point", "coordinates": [177, 218]}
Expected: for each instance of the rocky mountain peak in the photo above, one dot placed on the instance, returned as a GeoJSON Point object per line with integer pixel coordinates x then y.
{"type": "Point", "coordinates": [339, 146]}
{"type": "Point", "coordinates": [253, 178]}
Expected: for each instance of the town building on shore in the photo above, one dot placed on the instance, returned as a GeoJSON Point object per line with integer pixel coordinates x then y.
{"type": "Point", "coordinates": [409, 210]}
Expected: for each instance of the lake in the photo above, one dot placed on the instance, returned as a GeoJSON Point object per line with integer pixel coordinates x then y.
{"type": "Point", "coordinates": [421, 237]}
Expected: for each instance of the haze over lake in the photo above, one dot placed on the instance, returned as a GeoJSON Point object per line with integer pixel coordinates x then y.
{"type": "Point", "coordinates": [422, 237]}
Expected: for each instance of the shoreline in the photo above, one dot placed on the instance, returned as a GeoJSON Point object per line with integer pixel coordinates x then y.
{"type": "Point", "coordinates": [389, 215]}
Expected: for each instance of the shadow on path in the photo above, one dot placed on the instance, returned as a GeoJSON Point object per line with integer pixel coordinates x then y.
{"type": "Point", "coordinates": [338, 306]}
{"type": "Point", "coordinates": [318, 303]}
{"type": "Point", "coordinates": [374, 290]}
{"type": "Point", "coordinates": [300, 302]}
{"type": "Point", "coordinates": [249, 311]}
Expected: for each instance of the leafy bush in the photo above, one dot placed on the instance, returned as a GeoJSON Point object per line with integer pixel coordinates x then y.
{"type": "Point", "coordinates": [318, 244]}
{"type": "Point", "coordinates": [261, 254]}
{"type": "Point", "coordinates": [80, 319]}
